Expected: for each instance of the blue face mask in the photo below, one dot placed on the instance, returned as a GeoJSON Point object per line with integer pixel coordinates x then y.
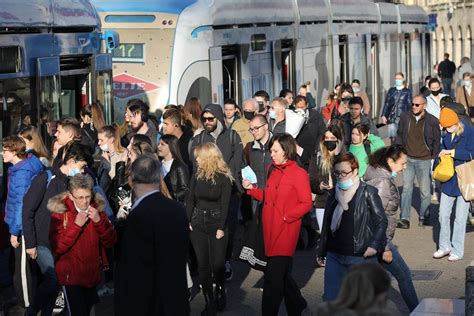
{"type": "Point", "coordinates": [394, 174]}
{"type": "Point", "coordinates": [272, 114]}
{"type": "Point", "coordinates": [398, 83]}
{"type": "Point", "coordinates": [73, 172]}
{"type": "Point", "coordinates": [344, 185]}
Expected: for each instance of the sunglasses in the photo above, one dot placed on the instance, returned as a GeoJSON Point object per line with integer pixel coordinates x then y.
{"type": "Point", "coordinates": [342, 173]}
{"type": "Point", "coordinates": [208, 118]}
{"type": "Point", "coordinates": [416, 104]}
{"type": "Point", "coordinates": [346, 99]}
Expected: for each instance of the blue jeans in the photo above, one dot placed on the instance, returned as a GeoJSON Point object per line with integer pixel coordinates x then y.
{"type": "Point", "coordinates": [447, 85]}
{"type": "Point", "coordinates": [48, 290]}
{"type": "Point", "coordinates": [422, 170]}
{"type": "Point", "coordinates": [337, 266]}
{"type": "Point", "coordinates": [401, 272]}
{"type": "Point", "coordinates": [459, 230]}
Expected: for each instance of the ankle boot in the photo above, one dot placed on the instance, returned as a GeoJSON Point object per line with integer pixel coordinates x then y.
{"type": "Point", "coordinates": [210, 309]}
{"type": "Point", "coordinates": [220, 297]}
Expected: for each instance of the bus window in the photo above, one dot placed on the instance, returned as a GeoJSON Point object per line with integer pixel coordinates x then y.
{"type": "Point", "coordinates": [18, 109]}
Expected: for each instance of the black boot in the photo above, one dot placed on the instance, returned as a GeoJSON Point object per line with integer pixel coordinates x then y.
{"type": "Point", "coordinates": [210, 309]}
{"type": "Point", "coordinates": [220, 297]}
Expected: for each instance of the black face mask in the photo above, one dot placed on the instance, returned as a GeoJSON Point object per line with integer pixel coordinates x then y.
{"type": "Point", "coordinates": [435, 93]}
{"type": "Point", "coordinates": [249, 115]}
{"type": "Point", "coordinates": [330, 144]}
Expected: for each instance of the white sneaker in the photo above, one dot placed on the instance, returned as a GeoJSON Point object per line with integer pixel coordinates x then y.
{"type": "Point", "coordinates": [453, 258]}
{"type": "Point", "coordinates": [441, 253]}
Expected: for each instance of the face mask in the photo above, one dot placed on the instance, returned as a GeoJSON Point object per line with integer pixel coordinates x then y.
{"type": "Point", "coordinates": [435, 93]}
{"type": "Point", "coordinates": [398, 83]}
{"type": "Point", "coordinates": [104, 147]}
{"type": "Point", "coordinates": [356, 90]}
{"type": "Point", "coordinates": [344, 185]}
{"type": "Point", "coordinates": [249, 115]}
{"type": "Point", "coordinates": [330, 144]}
{"type": "Point", "coordinates": [467, 83]}
{"type": "Point", "coordinates": [73, 172]}
{"type": "Point", "coordinates": [394, 174]}
{"type": "Point", "coordinates": [272, 114]}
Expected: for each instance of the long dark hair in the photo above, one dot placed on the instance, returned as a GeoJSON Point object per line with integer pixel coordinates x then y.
{"type": "Point", "coordinates": [173, 144]}
{"type": "Point", "coordinates": [379, 158]}
{"type": "Point", "coordinates": [364, 129]}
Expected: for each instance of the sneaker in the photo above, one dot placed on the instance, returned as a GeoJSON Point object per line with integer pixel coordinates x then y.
{"type": "Point", "coordinates": [434, 197]}
{"type": "Point", "coordinates": [453, 258]}
{"type": "Point", "coordinates": [403, 224]}
{"type": "Point", "coordinates": [228, 271]}
{"type": "Point", "coordinates": [105, 291]}
{"type": "Point", "coordinates": [441, 253]}
{"type": "Point", "coordinates": [59, 304]}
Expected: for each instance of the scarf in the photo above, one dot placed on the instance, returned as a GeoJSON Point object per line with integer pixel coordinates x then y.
{"type": "Point", "coordinates": [219, 128]}
{"type": "Point", "coordinates": [343, 197]}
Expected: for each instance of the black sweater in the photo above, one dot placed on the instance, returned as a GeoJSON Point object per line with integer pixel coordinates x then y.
{"type": "Point", "coordinates": [205, 195]}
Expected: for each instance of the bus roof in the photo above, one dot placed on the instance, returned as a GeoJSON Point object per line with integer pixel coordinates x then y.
{"type": "Point", "coordinates": [48, 13]}
{"type": "Point", "coordinates": [164, 6]}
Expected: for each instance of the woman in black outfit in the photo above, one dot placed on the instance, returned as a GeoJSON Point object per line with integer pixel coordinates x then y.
{"type": "Point", "coordinates": [175, 171]}
{"type": "Point", "coordinates": [207, 207]}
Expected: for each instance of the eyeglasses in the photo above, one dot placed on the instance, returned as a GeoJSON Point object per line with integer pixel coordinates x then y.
{"type": "Point", "coordinates": [208, 118]}
{"type": "Point", "coordinates": [255, 129]}
{"type": "Point", "coordinates": [347, 99]}
{"type": "Point", "coordinates": [85, 198]}
{"type": "Point", "coordinates": [417, 104]}
{"type": "Point", "coordinates": [339, 174]}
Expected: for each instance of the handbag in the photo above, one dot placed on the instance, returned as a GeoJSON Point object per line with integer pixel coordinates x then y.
{"type": "Point", "coordinates": [465, 174]}
{"type": "Point", "coordinates": [253, 249]}
{"type": "Point", "coordinates": [445, 169]}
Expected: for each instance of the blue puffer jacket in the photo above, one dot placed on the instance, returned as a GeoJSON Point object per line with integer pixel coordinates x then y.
{"type": "Point", "coordinates": [396, 103]}
{"type": "Point", "coordinates": [20, 176]}
{"type": "Point", "coordinates": [464, 152]}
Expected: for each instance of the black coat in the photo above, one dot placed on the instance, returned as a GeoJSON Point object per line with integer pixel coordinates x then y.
{"type": "Point", "coordinates": [310, 135]}
{"type": "Point", "coordinates": [349, 126]}
{"type": "Point", "coordinates": [177, 180]}
{"type": "Point", "coordinates": [370, 221]}
{"type": "Point", "coordinates": [151, 275]}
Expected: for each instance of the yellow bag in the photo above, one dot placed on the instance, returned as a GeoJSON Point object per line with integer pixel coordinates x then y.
{"type": "Point", "coordinates": [445, 169]}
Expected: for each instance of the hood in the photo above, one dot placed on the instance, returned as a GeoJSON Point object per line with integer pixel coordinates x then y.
{"type": "Point", "coordinates": [61, 203]}
{"type": "Point", "coordinates": [31, 163]}
{"type": "Point", "coordinates": [374, 173]}
{"type": "Point", "coordinates": [216, 110]}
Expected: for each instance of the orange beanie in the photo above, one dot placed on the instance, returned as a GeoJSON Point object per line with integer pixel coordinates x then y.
{"type": "Point", "coordinates": [448, 117]}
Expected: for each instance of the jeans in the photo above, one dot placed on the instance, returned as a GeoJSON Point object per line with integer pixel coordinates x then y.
{"type": "Point", "coordinates": [447, 82]}
{"type": "Point", "coordinates": [337, 266]}
{"type": "Point", "coordinates": [400, 270]}
{"type": "Point", "coordinates": [422, 170]}
{"type": "Point", "coordinates": [279, 284]}
{"type": "Point", "coordinates": [48, 289]}
{"type": "Point", "coordinates": [210, 251]}
{"type": "Point", "coordinates": [459, 229]}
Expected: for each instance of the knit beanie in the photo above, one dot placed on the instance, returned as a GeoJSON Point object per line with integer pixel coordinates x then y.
{"type": "Point", "coordinates": [448, 117]}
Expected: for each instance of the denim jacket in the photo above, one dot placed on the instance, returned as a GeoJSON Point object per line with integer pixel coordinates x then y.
{"type": "Point", "coordinates": [396, 103]}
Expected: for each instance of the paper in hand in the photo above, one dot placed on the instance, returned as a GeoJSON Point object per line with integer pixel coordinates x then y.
{"type": "Point", "coordinates": [249, 174]}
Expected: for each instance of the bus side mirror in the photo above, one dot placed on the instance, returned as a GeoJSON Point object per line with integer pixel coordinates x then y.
{"type": "Point", "coordinates": [111, 39]}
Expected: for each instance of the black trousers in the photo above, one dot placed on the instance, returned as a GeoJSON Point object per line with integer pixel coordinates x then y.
{"type": "Point", "coordinates": [24, 280]}
{"type": "Point", "coordinates": [279, 284]}
{"type": "Point", "coordinates": [79, 300]}
{"type": "Point", "coordinates": [210, 251]}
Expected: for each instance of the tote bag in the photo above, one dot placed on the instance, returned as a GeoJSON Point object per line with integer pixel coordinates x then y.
{"type": "Point", "coordinates": [465, 174]}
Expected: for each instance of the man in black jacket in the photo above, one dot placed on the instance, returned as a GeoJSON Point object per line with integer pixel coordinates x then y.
{"type": "Point", "coordinates": [355, 116]}
{"type": "Point", "coordinates": [172, 126]}
{"type": "Point", "coordinates": [419, 133]}
{"type": "Point", "coordinates": [446, 70]}
{"type": "Point", "coordinates": [151, 275]}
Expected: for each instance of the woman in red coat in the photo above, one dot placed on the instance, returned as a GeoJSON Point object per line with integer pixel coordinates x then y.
{"type": "Point", "coordinates": [286, 199]}
{"type": "Point", "coordinates": [79, 232]}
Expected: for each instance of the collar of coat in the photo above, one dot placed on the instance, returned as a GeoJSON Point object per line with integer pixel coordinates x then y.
{"type": "Point", "coordinates": [62, 203]}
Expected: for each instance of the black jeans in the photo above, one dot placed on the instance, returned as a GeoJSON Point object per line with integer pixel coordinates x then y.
{"type": "Point", "coordinates": [24, 280]}
{"type": "Point", "coordinates": [79, 300]}
{"type": "Point", "coordinates": [279, 284]}
{"type": "Point", "coordinates": [210, 251]}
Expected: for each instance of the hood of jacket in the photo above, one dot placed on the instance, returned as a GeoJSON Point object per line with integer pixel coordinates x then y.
{"type": "Point", "coordinates": [61, 203]}
{"type": "Point", "coordinates": [216, 110]}
{"type": "Point", "coordinates": [375, 173]}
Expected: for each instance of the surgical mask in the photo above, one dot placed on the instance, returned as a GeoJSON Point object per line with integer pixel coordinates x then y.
{"type": "Point", "coordinates": [330, 144]}
{"type": "Point", "coordinates": [467, 83]}
{"type": "Point", "coordinates": [436, 92]}
{"type": "Point", "coordinates": [249, 115]}
{"type": "Point", "coordinates": [398, 83]}
{"type": "Point", "coordinates": [356, 90]}
{"type": "Point", "coordinates": [104, 147]}
{"type": "Point", "coordinates": [394, 174]}
{"type": "Point", "coordinates": [344, 185]}
{"type": "Point", "coordinates": [73, 172]}
{"type": "Point", "coordinates": [272, 114]}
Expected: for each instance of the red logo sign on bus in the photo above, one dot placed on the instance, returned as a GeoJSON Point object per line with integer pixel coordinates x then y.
{"type": "Point", "coordinates": [127, 86]}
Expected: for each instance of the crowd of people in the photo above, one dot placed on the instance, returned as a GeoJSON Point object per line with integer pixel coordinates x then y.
{"type": "Point", "coordinates": [150, 209]}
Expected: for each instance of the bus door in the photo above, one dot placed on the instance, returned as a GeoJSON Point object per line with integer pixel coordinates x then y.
{"type": "Point", "coordinates": [230, 72]}
{"type": "Point", "coordinates": [101, 89]}
{"type": "Point", "coordinates": [216, 66]}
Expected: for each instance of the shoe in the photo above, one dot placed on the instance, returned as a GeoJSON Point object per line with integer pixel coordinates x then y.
{"type": "Point", "coordinates": [105, 291]}
{"type": "Point", "coordinates": [210, 308]}
{"type": "Point", "coordinates": [403, 224]}
{"type": "Point", "coordinates": [440, 253]}
{"type": "Point", "coordinates": [434, 197]}
{"type": "Point", "coordinates": [229, 273]}
{"type": "Point", "coordinates": [221, 298]}
{"type": "Point", "coordinates": [193, 291]}
{"type": "Point", "coordinates": [453, 258]}
{"type": "Point", "coordinates": [59, 304]}
{"type": "Point", "coordinates": [421, 222]}
{"type": "Point", "coordinates": [470, 222]}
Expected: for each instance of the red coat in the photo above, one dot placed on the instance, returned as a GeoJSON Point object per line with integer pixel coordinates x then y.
{"type": "Point", "coordinates": [79, 251]}
{"type": "Point", "coordinates": [287, 198]}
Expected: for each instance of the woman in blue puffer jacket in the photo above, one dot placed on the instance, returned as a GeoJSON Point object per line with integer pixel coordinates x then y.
{"type": "Point", "coordinates": [24, 168]}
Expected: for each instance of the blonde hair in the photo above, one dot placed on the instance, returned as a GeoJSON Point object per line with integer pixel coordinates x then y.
{"type": "Point", "coordinates": [37, 145]}
{"type": "Point", "coordinates": [211, 163]}
{"type": "Point", "coordinates": [459, 129]}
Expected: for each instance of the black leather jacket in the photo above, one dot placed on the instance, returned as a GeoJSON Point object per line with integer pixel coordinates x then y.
{"type": "Point", "coordinates": [177, 181]}
{"type": "Point", "coordinates": [370, 221]}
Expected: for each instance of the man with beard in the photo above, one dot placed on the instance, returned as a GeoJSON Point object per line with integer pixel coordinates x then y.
{"type": "Point", "coordinates": [140, 123]}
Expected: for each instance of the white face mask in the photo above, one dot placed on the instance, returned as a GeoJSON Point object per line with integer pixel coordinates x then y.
{"type": "Point", "coordinates": [467, 83]}
{"type": "Point", "coordinates": [104, 147]}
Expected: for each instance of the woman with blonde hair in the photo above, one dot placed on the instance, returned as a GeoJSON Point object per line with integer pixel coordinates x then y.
{"type": "Point", "coordinates": [112, 151]}
{"type": "Point", "coordinates": [192, 113]}
{"type": "Point", "coordinates": [207, 206]}
{"type": "Point", "coordinates": [34, 144]}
